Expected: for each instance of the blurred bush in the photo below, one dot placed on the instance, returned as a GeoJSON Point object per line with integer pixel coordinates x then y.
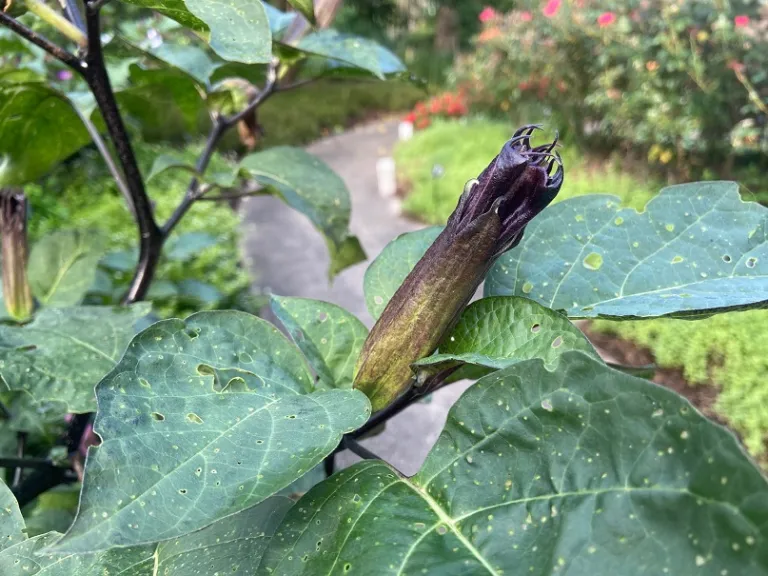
{"type": "Point", "coordinates": [685, 82]}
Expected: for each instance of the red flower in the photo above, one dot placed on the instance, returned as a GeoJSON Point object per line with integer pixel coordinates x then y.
{"type": "Point", "coordinates": [422, 123]}
{"type": "Point", "coordinates": [526, 16]}
{"type": "Point", "coordinates": [487, 14]}
{"type": "Point", "coordinates": [551, 8]}
{"type": "Point", "coordinates": [606, 19]}
{"type": "Point", "coordinates": [410, 117]}
{"type": "Point", "coordinates": [741, 21]}
{"type": "Point", "coordinates": [736, 66]}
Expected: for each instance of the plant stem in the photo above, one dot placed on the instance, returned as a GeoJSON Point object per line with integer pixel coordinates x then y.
{"type": "Point", "coordinates": [50, 16]}
{"type": "Point", "coordinates": [358, 449]}
{"type": "Point", "coordinates": [54, 50]}
{"type": "Point", "coordinates": [150, 236]}
{"type": "Point", "coordinates": [21, 439]}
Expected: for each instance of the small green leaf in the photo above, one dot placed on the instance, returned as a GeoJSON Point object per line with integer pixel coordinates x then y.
{"type": "Point", "coordinates": [583, 470]}
{"type": "Point", "coordinates": [387, 272]}
{"type": "Point", "coordinates": [64, 352]}
{"type": "Point", "coordinates": [162, 289]}
{"type": "Point", "coordinates": [330, 337]}
{"type": "Point", "coordinates": [306, 7]}
{"type": "Point", "coordinates": [62, 266]}
{"type": "Point", "coordinates": [190, 59]}
{"type": "Point", "coordinates": [697, 249]}
{"type": "Point", "coordinates": [120, 260]}
{"type": "Point", "coordinates": [240, 29]}
{"type": "Point", "coordinates": [308, 185]}
{"type": "Point", "coordinates": [166, 162]}
{"type": "Point", "coordinates": [38, 129]}
{"type": "Point", "coordinates": [222, 396]}
{"type": "Point", "coordinates": [185, 246]}
{"type": "Point", "coordinates": [174, 9]}
{"type": "Point", "coordinates": [348, 51]}
{"type": "Point", "coordinates": [202, 293]}
{"type": "Point", "coordinates": [497, 332]}
{"type": "Point", "coordinates": [11, 520]}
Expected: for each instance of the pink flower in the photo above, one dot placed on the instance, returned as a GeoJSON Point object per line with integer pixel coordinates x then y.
{"type": "Point", "coordinates": [741, 21]}
{"type": "Point", "coordinates": [551, 8]}
{"type": "Point", "coordinates": [487, 14]}
{"type": "Point", "coordinates": [606, 19]}
{"type": "Point", "coordinates": [64, 75]}
{"type": "Point", "coordinates": [526, 16]}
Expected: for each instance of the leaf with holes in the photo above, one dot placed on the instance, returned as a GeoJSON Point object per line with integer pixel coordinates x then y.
{"type": "Point", "coordinates": [237, 30]}
{"type": "Point", "coordinates": [308, 185]}
{"type": "Point", "coordinates": [233, 545]}
{"type": "Point", "coordinates": [494, 333]}
{"type": "Point", "coordinates": [201, 419]}
{"type": "Point", "coordinates": [64, 352]}
{"type": "Point", "coordinates": [330, 337]}
{"type": "Point", "coordinates": [345, 54]}
{"type": "Point", "coordinates": [384, 276]}
{"type": "Point", "coordinates": [62, 266]}
{"type": "Point", "coordinates": [583, 470]}
{"type": "Point", "coordinates": [697, 249]}
{"type": "Point", "coordinates": [29, 145]}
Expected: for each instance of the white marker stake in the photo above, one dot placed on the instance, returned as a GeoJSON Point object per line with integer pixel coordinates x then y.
{"type": "Point", "coordinates": [405, 131]}
{"type": "Point", "coordinates": [387, 179]}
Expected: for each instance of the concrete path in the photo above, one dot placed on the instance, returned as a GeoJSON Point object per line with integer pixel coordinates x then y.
{"type": "Point", "coordinates": [287, 256]}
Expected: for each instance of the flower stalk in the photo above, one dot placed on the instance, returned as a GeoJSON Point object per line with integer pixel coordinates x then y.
{"type": "Point", "coordinates": [489, 219]}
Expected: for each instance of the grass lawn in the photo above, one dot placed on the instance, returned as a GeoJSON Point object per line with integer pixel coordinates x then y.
{"type": "Point", "coordinates": [728, 350]}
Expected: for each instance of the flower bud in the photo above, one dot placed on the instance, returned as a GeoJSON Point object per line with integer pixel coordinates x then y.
{"type": "Point", "coordinates": [13, 230]}
{"type": "Point", "coordinates": [489, 220]}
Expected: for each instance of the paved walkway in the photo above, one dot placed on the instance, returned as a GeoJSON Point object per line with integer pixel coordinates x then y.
{"type": "Point", "coordinates": [287, 256]}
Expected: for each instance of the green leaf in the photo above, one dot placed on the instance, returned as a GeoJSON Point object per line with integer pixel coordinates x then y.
{"type": "Point", "coordinates": [387, 272]}
{"type": "Point", "coordinates": [38, 129]}
{"type": "Point", "coordinates": [306, 7]}
{"type": "Point", "coordinates": [52, 511]}
{"type": "Point", "coordinates": [185, 246]}
{"type": "Point", "coordinates": [162, 289]}
{"type": "Point", "coordinates": [697, 249]}
{"type": "Point", "coordinates": [62, 266]}
{"type": "Point", "coordinates": [308, 185]}
{"type": "Point", "coordinates": [202, 293]}
{"type": "Point", "coordinates": [347, 50]}
{"type": "Point", "coordinates": [120, 260]}
{"type": "Point", "coordinates": [583, 470]}
{"type": "Point", "coordinates": [278, 20]}
{"type": "Point", "coordinates": [233, 545]}
{"type": "Point", "coordinates": [239, 29]}
{"type": "Point", "coordinates": [166, 162]}
{"type": "Point", "coordinates": [222, 397]}
{"type": "Point", "coordinates": [64, 352]}
{"type": "Point", "coordinates": [174, 9]}
{"type": "Point", "coordinates": [43, 419]}
{"type": "Point", "coordinates": [190, 59]}
{"type": "Point", "coordinates": [330, 337]}
{"type": "Point", "coordinates": [344, 255]}
{"type": "Point", "coordinates": [497, 332]}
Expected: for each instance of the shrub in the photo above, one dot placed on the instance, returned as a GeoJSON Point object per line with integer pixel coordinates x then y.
{"type": "Point", "coordinates": [675, 80]}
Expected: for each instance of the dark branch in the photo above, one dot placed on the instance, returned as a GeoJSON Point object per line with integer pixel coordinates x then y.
{"type": "Point", "coordinates": [20, 463]}
{"type": "Point", "coordinates": [21, 440]}
{"type": "Point", "coordinates": [56, 51]}
{"type": "Point", "coordinates": [226, 197]}
{"type": "Point", "coordinates": [150, 236]}
{"type": "Point", "coordinates": [358, 449]}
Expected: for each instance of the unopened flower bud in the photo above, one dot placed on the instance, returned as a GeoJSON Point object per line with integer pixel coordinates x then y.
{"type": "Point", "coordinates": [489, 220]}
{"type": "Point", "coordinates": [13, 229]}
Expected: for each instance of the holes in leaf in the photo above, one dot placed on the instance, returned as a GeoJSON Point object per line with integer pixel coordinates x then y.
{"type": "Point", "coordinates": [192, 333]}
{"type": "Point", "coordinates": [535, 328]}
{"type": "Point", "coordinates": [194, 418]}
{"type": "Point", "coordinates": [182, 491]}
{"type": "Point", "coordinates": [205, 370]}
{"type": "Point", "coordinates": [557, 342]}
{"type": "Point", "coordinates": [291, 417]}
{"type": "Point", "coordinates": [144, 383]}
{"type": "Point", "coordinates": [442, 529]}
{"type": "Point", "coordinates": [319, 543]}
{"type": "Point", "coordinates": [347, 567]}
{"type": "Point", "coordinates": [322, 316]}
{"type": "Point", "coordinates": [751, 262]}
{"type": "Point", "coordinates": [157, 417]}
{"type": "Point", "coordinates": [259, 441]}
{"type": "Point", "coordinates": [726, 258]}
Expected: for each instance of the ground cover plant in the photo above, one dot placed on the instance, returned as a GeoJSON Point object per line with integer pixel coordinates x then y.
{"type": "Point", "coordinates": [551, 462]}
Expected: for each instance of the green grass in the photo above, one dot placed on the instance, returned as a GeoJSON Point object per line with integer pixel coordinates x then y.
{"type": "Point", "coordinates": [728, 350]}
{"type": "Point", "coordinates": [464, 149]}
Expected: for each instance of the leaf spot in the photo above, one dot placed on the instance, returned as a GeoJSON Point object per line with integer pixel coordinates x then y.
{"type": "Point", "coordinates": [194, 418]}
{"type": "Point", "coordinates": [157, 416]}
{"type": "Point", "coordinates": [557, 342]}
{"type": "Point", "coordinates": [535, 328]}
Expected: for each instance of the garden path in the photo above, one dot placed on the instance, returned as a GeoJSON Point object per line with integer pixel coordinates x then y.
{"type": "Point", "coordinates": [287, 256]}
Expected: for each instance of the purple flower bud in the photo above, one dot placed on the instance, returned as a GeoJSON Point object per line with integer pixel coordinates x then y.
{"type": "Point", "coordinates": [64, 75]}
{"type": "Point", "coordinates": [489, 220]}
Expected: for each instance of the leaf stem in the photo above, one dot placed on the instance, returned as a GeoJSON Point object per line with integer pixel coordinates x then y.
{"type": "Point", "coordinates": [40, 41]}
{"type": "Point", "coordinates": [358, 449]}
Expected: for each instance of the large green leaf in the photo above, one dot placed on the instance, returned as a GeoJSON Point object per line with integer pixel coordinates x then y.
{"type": "Point", "coordinates": [307, 184]}
{"type": "Point", "coordinates": [64, 352]}
{"type": "Point", "coordinates": [38, 129]}
{"type": "Point", "coordinates": [62, 266]}
{"type": "Point", "coordinates": [201, 419]}
{"type": "Point", "coordinates": [347, 51]}
{"type": "Point", "coordinates": [387, 272]}
{"type": "Point", "coordinates": [233, 545]}
{"type": "Point", "coordinates": [581, 471]}
{"type": "Point", "coordinates": [240, 29]}
{"type": "Point", "coordinates": [497, 332]}
{"type": "Point", "coordinates": [237, 30]}
{"type": "Point", "coordinates": [695, 250]}
{"type": "Point", "coordinates": [330, 337]}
